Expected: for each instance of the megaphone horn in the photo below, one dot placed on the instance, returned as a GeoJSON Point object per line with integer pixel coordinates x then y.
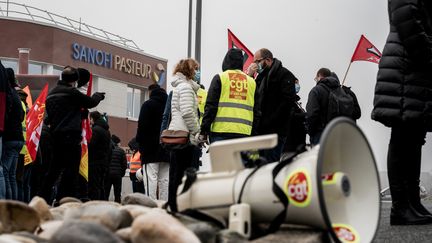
{"type": "Point", "coordinates": [334, 186]}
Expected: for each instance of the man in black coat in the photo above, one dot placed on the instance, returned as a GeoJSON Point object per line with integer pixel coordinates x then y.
{"type": "Point", "coordinates": [99, 155]}
{"type": "Point", "coordinates": [276, 88]}
{"type": "Point", "coordinates": [317, 104]}
{"type": "Point", "coordinates": [153, 156]}
{"type": "Point", "coordinates": [117, 169]}
{"type": "Point", "coordinates": [64, 105]}
{"type": "Point", "coordinates": [403, 101]}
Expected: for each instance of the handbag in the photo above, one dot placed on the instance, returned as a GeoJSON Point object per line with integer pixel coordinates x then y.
{"type": "Point", "coordinates": [174, 139]}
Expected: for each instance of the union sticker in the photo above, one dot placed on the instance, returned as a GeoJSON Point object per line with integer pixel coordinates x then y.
{"type": "Point", "coordinates": [346, 233]}
{"type": "Point", "coordinates": [298, 188]}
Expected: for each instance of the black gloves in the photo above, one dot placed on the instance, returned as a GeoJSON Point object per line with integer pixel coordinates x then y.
{"type": "Point", "coordinates": [99, 96]}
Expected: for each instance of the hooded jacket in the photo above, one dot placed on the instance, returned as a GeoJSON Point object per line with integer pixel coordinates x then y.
{"type": "Point", "coordinates": [276, 87]}
{"type": "Point", "coordinates": [317, 104]}
{"type": "Point", "coordinates": [233, 61]}
{"type": "Point", "coordinates": [184, 106]}
{"type": "Point", "coordinates": [100, 146]}
{"type": "Point", "coordinates": [149, 123]}
{"type": "Point", "coordinates": [403, 92]}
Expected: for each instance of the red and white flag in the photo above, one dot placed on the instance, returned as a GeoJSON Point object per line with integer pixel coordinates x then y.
{"type": "Point", "coordinates": [234, 42]}
{"type": "Point", "coordinates": [366, 51]}
{"type": "Point", "coordinates": [86, 136]}
{"type": "Point", "coordinates": [34, 123]}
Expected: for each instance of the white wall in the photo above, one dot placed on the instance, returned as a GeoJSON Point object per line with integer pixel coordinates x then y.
{"type": "Point", "coordinates": [115, 102]}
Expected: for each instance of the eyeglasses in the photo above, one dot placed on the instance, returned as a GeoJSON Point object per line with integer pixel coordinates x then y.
{"type": "Point", "coordinates": [258, 60]}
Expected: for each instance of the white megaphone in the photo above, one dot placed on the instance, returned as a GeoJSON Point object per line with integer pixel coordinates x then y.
{"type": "Point", "coordinates": [334, 186]}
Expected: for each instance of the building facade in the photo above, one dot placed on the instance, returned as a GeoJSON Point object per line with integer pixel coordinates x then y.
{"type": "Point", "coordinates": [38, 52]}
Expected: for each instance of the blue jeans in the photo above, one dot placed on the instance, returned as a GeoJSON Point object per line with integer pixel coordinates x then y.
{"type": "Point", "coordinates": [2, 179]}
{"type": "Point", "coordinates": [274, 154]}
{"type": "Point", "coordinates": [10, 155]}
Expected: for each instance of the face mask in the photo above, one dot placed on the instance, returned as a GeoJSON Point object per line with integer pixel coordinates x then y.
{"type": "Point", "coordinates": [297, 88]}
{"type": "Point", "coordinates": [197, 76]}
{"type": "Point", "coordinates": [260, 68]}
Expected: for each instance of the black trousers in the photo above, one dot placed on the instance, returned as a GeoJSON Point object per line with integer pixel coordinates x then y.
{"type": "Point", "coordinates": [180, 161]}
{"type": "Point", "coordinates": [65, 161]}
{"type": "Point", "coordinates": [137, 186]}
{"type": "Point", "coordinates": [404, 161]}
{"type": "Point", "coordinates": [116, 182]}
{"type": "Point", "coordinates": [96, 185]}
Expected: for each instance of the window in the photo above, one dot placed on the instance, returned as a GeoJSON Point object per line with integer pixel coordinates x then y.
{"type": "Point", "coordinates": [10, 64]}
{"type": "Point", "coordinates": [134, 101]}
{"type": "Point", "coordinates": [35, 68]}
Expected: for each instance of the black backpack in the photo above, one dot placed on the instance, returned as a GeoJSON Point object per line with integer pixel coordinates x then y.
{"type": "Point", "coordinates": [340, 103]}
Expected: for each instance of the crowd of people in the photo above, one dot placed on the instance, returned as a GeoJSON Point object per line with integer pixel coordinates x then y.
{"type": "Point", "coordinates": [262, 100]}
{"type": "Point", "coordinates": [237, 104]}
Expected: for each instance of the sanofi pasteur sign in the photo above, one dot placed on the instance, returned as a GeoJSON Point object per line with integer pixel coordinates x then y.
{"type": "Point", "coordinates": [109, 60]}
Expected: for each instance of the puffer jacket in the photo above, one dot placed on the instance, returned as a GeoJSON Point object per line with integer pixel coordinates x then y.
{"type": "Point", "coordinates": [118, 163]}
{"type": "Point", "coordinates": [403, 92]}
{"type": "Point", "coordinates": [100, 147]}
{"type": "Point", "coordinates": [184, 106]}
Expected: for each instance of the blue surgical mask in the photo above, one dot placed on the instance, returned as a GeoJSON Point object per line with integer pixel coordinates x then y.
{"type": "Point", "coordinates": [260, 68]}
{"type": "Point", "coordinates": [297, 87]}
{"type": "Point", "coordinates": [197, 76]}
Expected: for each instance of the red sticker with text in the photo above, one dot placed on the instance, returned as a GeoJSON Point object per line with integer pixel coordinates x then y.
{"type": "Point", "coordinates": [298, 188]}
{"type": "Point", "coordinates": [346, 233]}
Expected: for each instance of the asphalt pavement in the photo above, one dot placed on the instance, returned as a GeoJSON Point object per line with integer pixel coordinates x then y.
{"type": "Point", "coordinates": [402, 234]}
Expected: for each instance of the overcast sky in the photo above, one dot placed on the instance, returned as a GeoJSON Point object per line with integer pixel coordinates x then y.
{"type": "Point", "coordinates": [304, 35]}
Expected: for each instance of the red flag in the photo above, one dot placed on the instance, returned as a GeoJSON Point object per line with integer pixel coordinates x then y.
{"type": "Point", "coordinates": [34, 122]}
{"type": "Point", "coordinates": [366, 51]}
{"type": "Point", "coordinates": [234, 42]}
{"type": "Point", "coordinates": [86, 136]}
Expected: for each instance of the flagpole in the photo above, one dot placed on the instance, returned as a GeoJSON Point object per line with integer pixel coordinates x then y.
{"type": "Point", "coordinates": [346, 73]}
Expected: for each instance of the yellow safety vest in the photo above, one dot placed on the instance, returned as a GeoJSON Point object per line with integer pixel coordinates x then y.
{"type": "Point", "coordinates": [236, 103]}
{"type": "Point", "coordinates": [202, 97]}
{"type": "Point", "coordinates": [24, 150]}
{"type": "Point", "coordinates": [135, 162]}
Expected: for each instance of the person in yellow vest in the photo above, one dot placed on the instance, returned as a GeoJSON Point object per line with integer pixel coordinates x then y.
{"type": "Point", "coordinates": [24, 160]}
{"type": "Point", "coordinates": [202, 97]}
{"type": "Point", "coordinates": [230, 110]}
{"type": "Point", "coordinates": [134, 166]}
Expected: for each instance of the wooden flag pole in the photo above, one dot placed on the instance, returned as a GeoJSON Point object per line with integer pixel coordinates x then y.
{"type": "Point", "coordinates": [346, 73]}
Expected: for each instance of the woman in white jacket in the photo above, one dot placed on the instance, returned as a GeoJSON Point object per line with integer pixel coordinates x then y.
{"type": "Point", "coordinates": [184, 117]}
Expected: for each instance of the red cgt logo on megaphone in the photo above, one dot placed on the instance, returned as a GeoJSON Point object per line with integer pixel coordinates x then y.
{"type": "Point", "coordinates": [346, 233]}
{"type": "Point", "coordinates": [298, 188]}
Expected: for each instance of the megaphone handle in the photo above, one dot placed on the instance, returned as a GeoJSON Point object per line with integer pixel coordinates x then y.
{"type": "Point", "coordinates": [280, 218]}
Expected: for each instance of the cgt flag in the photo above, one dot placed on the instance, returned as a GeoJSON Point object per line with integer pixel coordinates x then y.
{"type": "Point", "coordinates": [34, 123]}
{"type": "Point", "coordinates": [86, 136]}
{"type": "Point", "coordinates": [234, 42]}
{"type": "Point", "coordinates": [366, 51]}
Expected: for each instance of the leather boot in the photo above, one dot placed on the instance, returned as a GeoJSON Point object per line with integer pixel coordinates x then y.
{"type": "Point", "coordinates": [405, 214]}
{"type": "Point", "coordinates": [414, 199]}
{"type": "Point", "coordinates": [402, 213]}
{"type": "Point", "coordinates": [413, 154]}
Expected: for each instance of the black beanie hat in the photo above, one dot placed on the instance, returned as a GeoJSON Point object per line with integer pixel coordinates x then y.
{"type": "Point", "coordinates": [115, 139]}
{"type": "Point", "coordinates": [83, 77]}
{"type": "Point", "coordinates": [11, 77]}
{"type": "Point", "coordinates": [70, 74]}
{"type": "Point", "coordinates": [233, 60]}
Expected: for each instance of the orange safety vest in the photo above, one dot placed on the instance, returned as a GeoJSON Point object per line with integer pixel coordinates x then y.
{"type": "Point", "coordinates": [135, 163]}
